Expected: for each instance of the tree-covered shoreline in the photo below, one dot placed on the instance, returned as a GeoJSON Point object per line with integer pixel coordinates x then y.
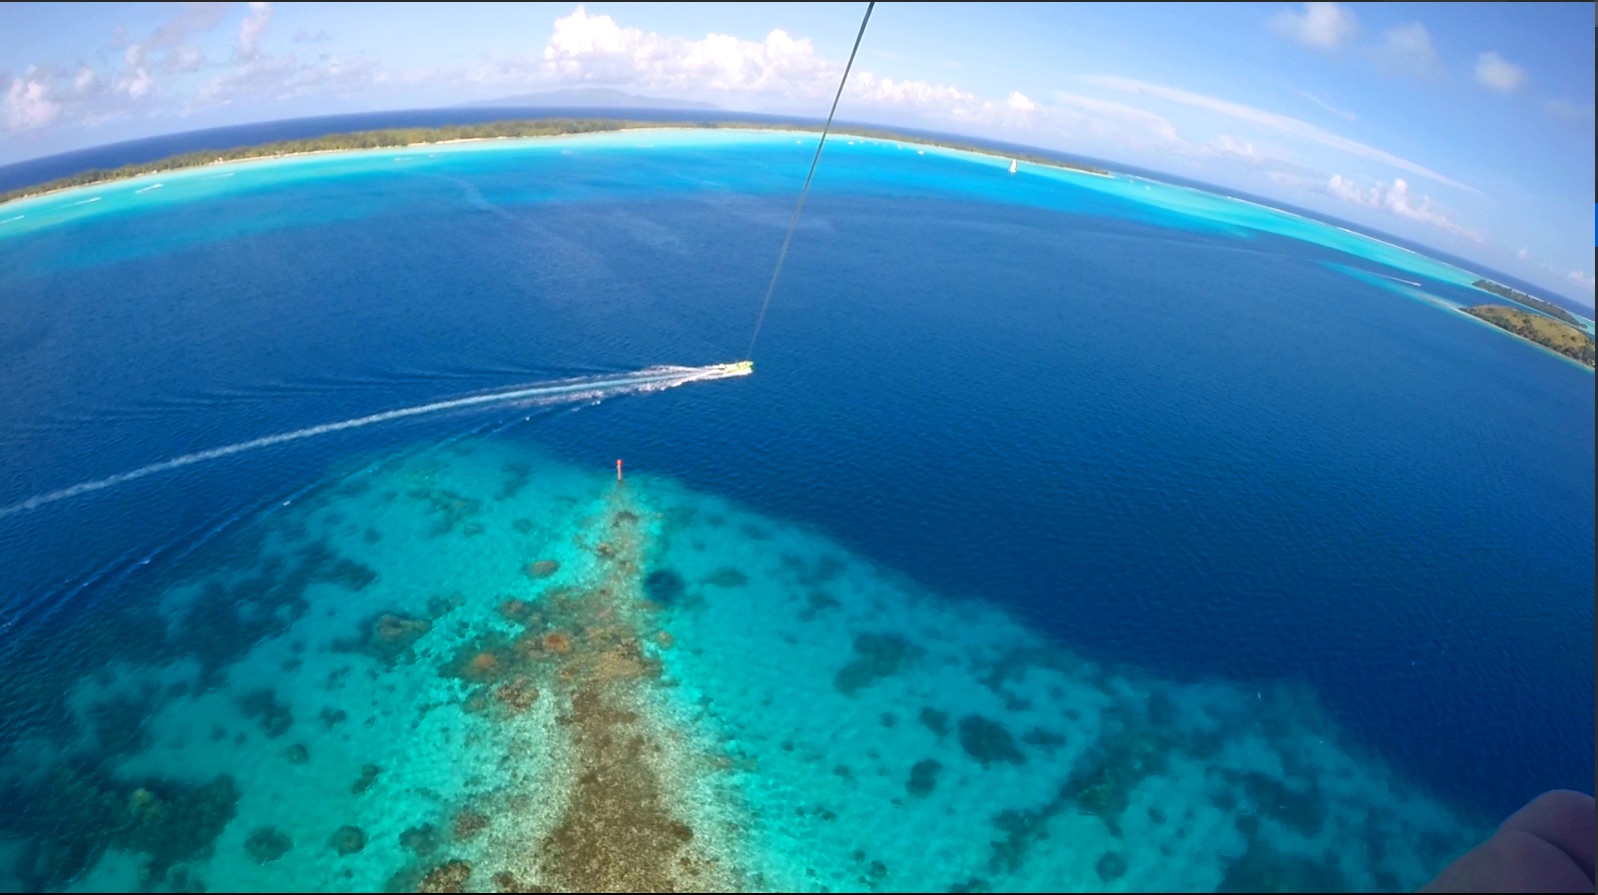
{"type": "Point", "coordinates": [496, 130]}
{"type": "Point", "coordinates": [1567, 340]}
{"type": "Point", "coordinates": [1521, 298]}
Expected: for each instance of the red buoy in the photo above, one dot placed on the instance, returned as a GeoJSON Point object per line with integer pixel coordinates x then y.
{"type": "Point", "coordinates": [618, 470]}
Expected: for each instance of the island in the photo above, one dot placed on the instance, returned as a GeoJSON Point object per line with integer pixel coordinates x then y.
{"type": "Point", "coordinates": [1551, 334]}
{"type": "Point", "coordinates": [494, 130]}
{"type": "Point", "coordinates": [1521, 298]}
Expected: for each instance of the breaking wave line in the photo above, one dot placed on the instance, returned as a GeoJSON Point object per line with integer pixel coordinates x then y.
{"type": "Point", "coordinates": [588, 388]}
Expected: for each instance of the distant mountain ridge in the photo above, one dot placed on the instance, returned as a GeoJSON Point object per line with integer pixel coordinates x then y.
{"type": "Point", "coordinates": [589, 98]}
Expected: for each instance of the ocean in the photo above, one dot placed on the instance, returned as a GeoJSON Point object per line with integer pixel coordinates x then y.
{"type": "Point", "coordinates": [1072, 532]}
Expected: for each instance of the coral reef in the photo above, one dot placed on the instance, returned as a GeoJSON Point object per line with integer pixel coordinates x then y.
{"type": "Point", "coordinates": [388, 637]}
{"type": "Point", "coordinates": [1299, 807]}
{"type": "Point", "coordinates": [74, 812]}
{"type": "Point", "coordinates": [557, 643]}
{"type": "Point", "coordinates": [517, 475]}
{"type": "Point", "coordinates": [1111, 866]}
{"type": "Point", "coordinates": [875, 656]}
{"type": "Point", "coordinates": [486, 660]}
{"type": "Point", "coordinates": [347, 840]}
{"type": "Point", "coordinates": [923, 777]}
{"type": "Point", "coordinates": [987, 741]}
{"type": "Point", "coordinates": [543, 568]}
{"type": "Point", "coordinates": [517, 696]}
{"type": "Point", "coordinates": [522, 611]}
{"type": "Point", "coordinates": [726, 577]}
{"type": "Point", "coordinates": [665, 587]}
{"type": "Point", "coordinates": [1263, 868]}
{"type": "Point", "coordinates": [469, 823]}
{"type": "Point", "coordinates": [450, 508]}
{"type": "Point", "coordinates": [368, 776]}
{"type": "Point", "coordinates": [268, 711]}
{"type": "Point", "coordinates": [421, 841]}
{"type": "Point", "coordinates": [451, 876]}
{"type": "Point", "coordinates": [1047, 740]}
{"type": "Point", "coordinates": [267, 844]}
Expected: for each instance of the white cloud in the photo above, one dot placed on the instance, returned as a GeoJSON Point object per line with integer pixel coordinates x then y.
{"type": "Point", "coordinates": [191, 19]}
{"type": "Point", "coordinates": [918, 94]}
{"type": "Point", "coordinates": [1327, 106]}
{"type": "Point", "coordinates": [1582, 278]}
{"type": "Point", "coordinates": [1569, 111]}
{"type": "Point", "coordinates": [1293, 127]}
{"type": "Point", "coordinates": [252, 28]}
{"type": "Point", "coordinates": [136, 84]}
{"type": "Point", "coordinates": [1294, 181]}
{"type": "Point", "coordinates": [1408, 50]}
{"type": "Point", "coordinates": [28, 104]}
{"type": "Point", "coordinates": [1324, 26]}
{"type": "Point", "coordinates": [1396, 199]}
{"type": "Point", "coordinates": [1120, 122]}
{"type": "Point", "coordinates": [1524, 254]}
{"type": "Point", "coordinates": [594, 49]}
{"type": "Point", "coordinates": [183, 59]}
{"type": "Point", "coordinates": [1497, 73]}
{"type": "Point", "coordinates": [85, 80]}
{"type": "Point", "coordinates": [1229, 147]}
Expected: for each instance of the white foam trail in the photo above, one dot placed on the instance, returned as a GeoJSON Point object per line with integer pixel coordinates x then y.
{"type": "Point", "coordinates": [590, 388]}
{"type": "Point", "coordinates": [17, 218]}
{"type": "Point", "coordinates": [154, 186]}
{"type": "Point", "coordinates": [84, 202]}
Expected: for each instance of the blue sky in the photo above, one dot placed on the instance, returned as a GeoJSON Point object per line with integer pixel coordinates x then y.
{"type": "Point", "coordinates": [1468, 127]}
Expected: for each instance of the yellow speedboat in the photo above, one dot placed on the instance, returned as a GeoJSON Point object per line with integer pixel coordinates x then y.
{"type": "Point", "coordinates": [741, 368]}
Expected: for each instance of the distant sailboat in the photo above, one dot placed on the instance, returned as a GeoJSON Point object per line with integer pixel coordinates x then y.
{"type": "Point", "coordinates": [1012, 166]}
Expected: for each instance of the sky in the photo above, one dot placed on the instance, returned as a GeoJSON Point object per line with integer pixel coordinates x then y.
{"type": "Point", "coordinates": [1462, 126]}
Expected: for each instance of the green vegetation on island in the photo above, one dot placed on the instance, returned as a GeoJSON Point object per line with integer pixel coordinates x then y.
{"type": "Point", "coordinates": [1521, 298]}
{"type": "Point", "coordinates": [1551, 334]}
{"type": "Point", "coordinates": [495, 130]}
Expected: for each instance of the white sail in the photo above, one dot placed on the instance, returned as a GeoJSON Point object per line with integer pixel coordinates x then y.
{"type": "Point", "coordinates": [1012, 166]}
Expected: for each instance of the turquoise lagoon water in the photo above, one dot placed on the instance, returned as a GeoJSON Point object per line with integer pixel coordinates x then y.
{"type": "Point", "coordinates": [1075, 532]}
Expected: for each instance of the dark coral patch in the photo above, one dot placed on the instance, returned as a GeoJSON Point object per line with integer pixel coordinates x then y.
{"type": "Point", "coordinates": [1110, 867]}
{"type": "Point", "coordinates": [727, 577]}
{"type": "Point", "coordinates": [665, 587]}
{"type": "Point", "coordinates": [420, 841]}
{"type": "Point", "coordinates": [264, 707]}
{"type": "Point", "coordinates": [450, 876]}
{"type": "Point", "coordinates": [517, 696]}
{"type": "Point", "coordinates": [469, 823]}
{"type": "Point", "coordinates": [347, 840]}
{"type": "Point", "coordinates": [1047, 740]}
{"type": "Point", "coordinates": [268, 844]}
{"type": "Point", "coordinates": [875, 656]}
{"type": "Point", "coordinates": [923, 777]}
{"type": "Point", "coordinates": [368, 776]}
{"type": "Point", "coordinates": [388, 636]}
{"type": "Point", "coordinates": [988, 742]}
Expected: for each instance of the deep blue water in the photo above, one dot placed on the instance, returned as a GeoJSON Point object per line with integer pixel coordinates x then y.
{"type": "Point", "coordinates": [1190, 452]}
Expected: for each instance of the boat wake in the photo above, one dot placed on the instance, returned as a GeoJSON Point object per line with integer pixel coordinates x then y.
{"type": "Point", "coordinates": [561, 391]}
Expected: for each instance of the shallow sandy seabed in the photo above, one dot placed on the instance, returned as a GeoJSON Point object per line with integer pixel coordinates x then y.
{"type": "Point", "coordinates": [677, 693]}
